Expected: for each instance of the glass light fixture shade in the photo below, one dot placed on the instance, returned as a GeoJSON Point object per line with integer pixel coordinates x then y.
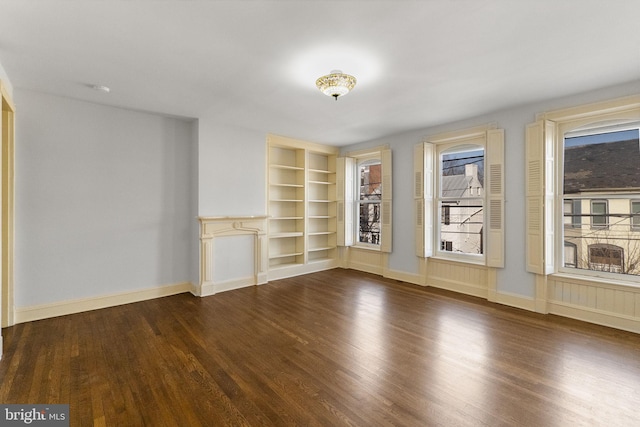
{"type": "Point", "coordinates": [336, 84]}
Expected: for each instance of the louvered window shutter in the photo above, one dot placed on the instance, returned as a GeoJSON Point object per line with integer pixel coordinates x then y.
{"type": "Point", "coordinates": [344, 201]}
{"type": "Point", "coordinates": [423, 198]}
{"type": "Point", "coordinates": [549, 196]}
{"type": "Point", "coordinates": [386, 205]}
{"type": "Point", "coordinates": [540, 195]}
{"type": "Point", "coordinates": [534, 214]}
{"type": "Point", "coordinates": [495, 198]}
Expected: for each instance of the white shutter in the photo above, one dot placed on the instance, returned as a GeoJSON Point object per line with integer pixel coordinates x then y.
{"type": "Point", "coordinates": [540, 194]}
{"type": "Point", "coordinates": [344, 201]}
{"type": "Point", "coordinates": [423, 198]}
{"type": "Point", "coordinates": [495, 198]}
{"type": "Point", "coordinates": [429, 189]}
{"type": "Point", "coordinates": [549, 196]}
{"type": "Point", "coordinates": [534, 214]}
{"type": "Point", "coordinates": [386, 206]}
{"type": "Point", "coordinates": [418, 197]}
{"type": "Point", "coordinates": [340, 175]}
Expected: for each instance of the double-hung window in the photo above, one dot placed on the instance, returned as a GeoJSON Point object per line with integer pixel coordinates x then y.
{"type": "Point", "coordinates": [369, 201]}
{"type": "Point", "coordinates": [583, 191]}
{"type": "Point", "coordinates": [364, 191]}
{"type": "Point", "coordinates": [635, 215]}
{"type": "Point", "coordinates": [599, 214]}
{"type": "Point", "coordinates": [459, 196]}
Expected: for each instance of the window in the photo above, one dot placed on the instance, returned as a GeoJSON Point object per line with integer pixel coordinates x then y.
{"type": "Point", "coordinates": [363, 199]}
{"type": "Point", "coordinates": [446, 214]}
{"type": "Point", "coordinates": [582, 162]}
{"type": "Point", "coordinates": [570, 254]}
{"type": "Point", "coordinates": [572, 213]}
{"type": "Point", "coordinates": [603, 257]}
{"type": "Point", "coordinates": [459, 196]}
{"type": "Point", "coordinates": [599, 214]}
{"type": "Point", "coordinates": [369, 199]}
{"type": "Point", "coordinates": [635, 214]}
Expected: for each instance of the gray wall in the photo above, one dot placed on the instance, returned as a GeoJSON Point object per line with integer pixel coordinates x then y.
{"type": "Point", "coordinates": [5, 81]}
{"type": "Point", "coordinates": [106, 200]}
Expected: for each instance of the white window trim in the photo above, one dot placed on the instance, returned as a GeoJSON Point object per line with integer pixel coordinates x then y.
{"type": "Point", "coordinates": [347, 198]}
{"type": "Point", "coordinates": [479, 142]}
{"type": "Point", "coordinates": [359, 162]}
{"type": "Point", "coordinates": [545, 149]}
{"type": "Point", "coordinates": [427, 211]}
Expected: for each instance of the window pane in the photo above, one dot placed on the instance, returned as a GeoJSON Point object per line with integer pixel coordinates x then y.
{"type": "Point", "coordinates": [568, 211]}
{"type": "Point", "coordinates": [370, 182]}
{"type": "Point", "coordinates": [462, 172]}
{"type": "Point", "coordinates": [369, 228]}
{"type": "Point", "coordinates": [463, 226]}
{"type": "Point", "coordinates": [607, 166]}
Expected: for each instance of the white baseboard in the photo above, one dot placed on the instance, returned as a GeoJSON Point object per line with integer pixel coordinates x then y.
{"type": "Point", "coordinates": [62, 308]}
{"type": "Point", "coordinates": [599, 317]}
{"type": "Point", "coordinates": [412, 278]}
{"type": "Point", "coordinates": [458, 286]}
{"type": "Point", "coordinates": [212, 288]}
{"type": "Point", "coordinates": [517, 301]}
{"type": "Point", "coordinates": [367, 268]}
{"type": "Point", "coordinates": [276, 273]}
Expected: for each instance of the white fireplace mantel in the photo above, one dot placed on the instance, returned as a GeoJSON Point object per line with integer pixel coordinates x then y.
{"type": "Point", "coordinates": [213, 227]}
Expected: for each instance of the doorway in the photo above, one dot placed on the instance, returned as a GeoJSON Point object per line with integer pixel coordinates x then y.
{"type": "Point", "coordinates": [7, 211]}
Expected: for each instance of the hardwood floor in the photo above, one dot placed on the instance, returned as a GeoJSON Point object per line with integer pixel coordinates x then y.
{"type": "Point", "coordinates": [331, 348]}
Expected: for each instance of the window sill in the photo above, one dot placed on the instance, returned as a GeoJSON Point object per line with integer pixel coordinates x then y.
{"type": "Point", "coordinates": [367, 247]}
{"type": "Point", "coordinates": [479, 263]}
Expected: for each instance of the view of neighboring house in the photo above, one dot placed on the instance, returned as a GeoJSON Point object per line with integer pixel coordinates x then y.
{"type": "Point", "coordinates": [369, 197]}
{"type": "Point", "coordinates": [462, 212]}
{"type": "Point", "coordinates": [602, 205]}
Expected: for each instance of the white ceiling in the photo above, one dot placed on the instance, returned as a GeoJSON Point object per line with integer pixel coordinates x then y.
{"type": "Point", "coordinates": [254, 63]}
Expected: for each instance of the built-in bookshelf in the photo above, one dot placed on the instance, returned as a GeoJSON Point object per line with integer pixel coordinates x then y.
{"type": "Point", "coordinates": [301, 198]}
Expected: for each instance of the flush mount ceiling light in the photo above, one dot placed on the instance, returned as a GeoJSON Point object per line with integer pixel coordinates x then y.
{"type": "Point", "coordinates": [336, 84]}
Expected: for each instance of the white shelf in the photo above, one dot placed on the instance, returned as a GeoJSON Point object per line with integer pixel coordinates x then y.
{"type": "Point", "coordinates": [276, 184]}
{"type": "Point", "coordinates": [326, 248]}
{"type": "Point", "coordinates": [285, 235]}
{"type": "Point", "coordinates": [320, 171]}
{"type": "Point", "coordinates": [292, 254]}
{"type": "Point", "coordinates": [321, 182]}
{"type": "Point", "coordinates": [287, 167]}
{"type": "Point", "coordinates": [284, 218]}
{"type": "Point", "coordinates": [321, 233]}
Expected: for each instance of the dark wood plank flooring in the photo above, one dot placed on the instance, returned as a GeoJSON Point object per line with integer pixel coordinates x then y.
{"type": "Point", "coordinates": [331, 348]}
